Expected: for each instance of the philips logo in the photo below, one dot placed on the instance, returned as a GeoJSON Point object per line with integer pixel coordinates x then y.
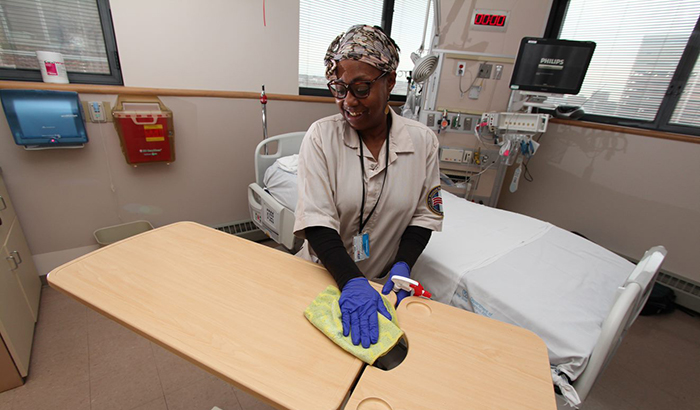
{"type": "Point", "coordinates": [557, 61]}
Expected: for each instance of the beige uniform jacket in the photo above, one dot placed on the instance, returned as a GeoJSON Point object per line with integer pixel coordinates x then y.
{"type": "Point", "coordinates": [330, 187]}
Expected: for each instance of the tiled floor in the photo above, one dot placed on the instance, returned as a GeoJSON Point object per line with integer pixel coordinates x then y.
{"type": "Point", "coordinates": [83, 361]}
{"type": "Point", "coordinates": [657, 367]}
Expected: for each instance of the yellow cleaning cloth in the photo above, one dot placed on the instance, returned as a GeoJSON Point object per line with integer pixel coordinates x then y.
{"type": "Point", "coordinates": [324, 313]}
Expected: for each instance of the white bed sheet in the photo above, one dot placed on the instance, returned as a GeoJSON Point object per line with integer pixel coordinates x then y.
{"type": "Point", "coordinates": [512, 268]}
{"type": "Point", "coordinates": [282, 185]}
{"type": "Point", "coordinates": [526, 272]}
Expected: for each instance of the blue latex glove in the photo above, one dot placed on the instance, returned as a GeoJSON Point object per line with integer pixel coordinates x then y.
{"type": "Point", "coordinates": [399, 269]}
{"type": "Point", "coordinates": [359, 304]}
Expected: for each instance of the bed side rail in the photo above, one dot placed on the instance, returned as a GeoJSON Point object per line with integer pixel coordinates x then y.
{"type": "Point", "coordinates": [629, 301]}
{"type": "Point", "coordinates": [287, 144]}
{"type": "Point", "coordinates": [271, 217]}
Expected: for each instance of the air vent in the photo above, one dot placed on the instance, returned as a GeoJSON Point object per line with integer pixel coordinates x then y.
{"type": "Point", "coordinates": [245, 229]}
{"type": "Point", "coordinates": [687, 293]}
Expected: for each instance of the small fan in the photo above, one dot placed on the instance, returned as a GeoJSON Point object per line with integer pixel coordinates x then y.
{"type": "Point", "coordinates": [423, 68]}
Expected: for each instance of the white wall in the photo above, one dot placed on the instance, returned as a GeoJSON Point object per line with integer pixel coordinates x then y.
{"type": "Point", "coordinates": [62, 196]}
{"type": "Point", "coordinates": [527, 18]}
{"type": "Point", "coordinates": [208, 44]}
{"type": "Point", "coordinates": [625, 192]}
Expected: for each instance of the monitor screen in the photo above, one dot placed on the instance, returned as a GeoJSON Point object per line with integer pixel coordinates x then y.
{"type": "Point", "coordinates": [551, 65]}
{"type": "Point", "coordinates": [44, 118]}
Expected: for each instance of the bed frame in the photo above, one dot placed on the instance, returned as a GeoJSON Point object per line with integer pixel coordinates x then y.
{"type": "Point", "coordinates": [278, 222]}
{"type": "Point", "coordinates": [630, 300]}
{"type": "Point", "coordinates": [266, 212]}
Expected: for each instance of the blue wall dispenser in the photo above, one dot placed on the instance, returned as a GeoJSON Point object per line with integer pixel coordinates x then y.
{"type": "Point", "coordinates": [41, 119]}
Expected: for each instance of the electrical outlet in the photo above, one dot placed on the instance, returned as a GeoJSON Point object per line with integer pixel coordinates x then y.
{"type": "Point", "coordinates": [467, 124]}
{"type": "Point", "coordinates": [460, 68]}
{"type": "Point", "coordinates": [467, 158]}
{"type": "Point", "coordinates": [485, 70]}
{"type": "Point", "coordinates": [499, 72]}
{"type": "Point", "coordinates": [431, 120]}
{"type": "Point", "coordinates": [474, 92]}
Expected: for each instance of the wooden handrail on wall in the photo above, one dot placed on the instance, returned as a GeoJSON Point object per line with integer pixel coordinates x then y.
{"type": "Point", "coordinates": [160, 92]}
{"type": "Point", "coordinates": [167, 92]}
{"type": "Point", "coordinates": [163, 92]}
{"type": "Point", "coordinates": [628, 130]}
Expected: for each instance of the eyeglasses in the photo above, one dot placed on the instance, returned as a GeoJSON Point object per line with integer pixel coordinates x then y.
{"type": "Point", "coordinates": [360, 89]}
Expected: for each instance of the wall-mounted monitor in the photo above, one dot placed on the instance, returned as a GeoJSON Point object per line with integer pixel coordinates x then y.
{"type": "Point", "coordinates": [44, 118]}
{"type": "Point", "coordinates": [551, 65]}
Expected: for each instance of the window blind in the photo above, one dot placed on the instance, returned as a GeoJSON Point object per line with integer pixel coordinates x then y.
{"type": "Point", "coordinates": [639, 45]}
{"type": "Point", "coordinates": [69, 27]}
{"type": "Point", "coordinates": [319, 23]}
{"type": "Point", "coordinates": [687, 110]}
{"type": "Point", "coordinates": [407, 30]}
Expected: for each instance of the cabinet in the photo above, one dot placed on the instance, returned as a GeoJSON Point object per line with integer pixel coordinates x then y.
{"type": "Point", "coordinates": [20, 290]}
{"type": "Point", "coordinates": [19, 260]}
{"type": "Point", "coordinates": [7, 212]}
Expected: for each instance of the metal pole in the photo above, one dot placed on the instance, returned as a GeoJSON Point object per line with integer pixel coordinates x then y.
{"type": "Point", "coordinates": [263, 101]}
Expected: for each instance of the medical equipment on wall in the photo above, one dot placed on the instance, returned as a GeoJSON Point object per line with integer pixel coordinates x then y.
{"type": "Point", "coordinates": [44, 119]}
{"type": "Point", "coordinates": [145, 129]}
{"type": "Point", "coordinates": [448, 121]}
{"type": "Point", "coordinates": [513, 133]}
{"type": "Point", "coordinates": [444, 122]}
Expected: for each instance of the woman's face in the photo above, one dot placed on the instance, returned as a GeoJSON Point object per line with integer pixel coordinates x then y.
{"type": "Point", "coordinates": [367, 113]}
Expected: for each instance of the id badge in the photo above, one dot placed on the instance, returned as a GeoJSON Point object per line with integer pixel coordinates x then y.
{"type": "Point", "coordinates": [360, 247]}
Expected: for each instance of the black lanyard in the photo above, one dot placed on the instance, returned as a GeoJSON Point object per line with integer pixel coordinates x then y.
{"type": "Point", "coordinates": [363, 221]}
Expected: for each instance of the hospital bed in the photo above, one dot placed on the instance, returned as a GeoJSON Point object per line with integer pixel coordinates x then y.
{"type": "Point", "coordinates": [577, 296]}
{"type": "Point", "coordinates": [274, 215]}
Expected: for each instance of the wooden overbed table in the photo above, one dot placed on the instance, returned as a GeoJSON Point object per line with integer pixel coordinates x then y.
{"type": "Point", "coordinates": [235, 308]}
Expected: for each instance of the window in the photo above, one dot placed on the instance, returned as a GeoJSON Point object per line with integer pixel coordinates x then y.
{"type": "Point", "coordinates": [644, 71]}
{"type": "Point", "coordinates": [81, 30]}
{"type": "Point", "coordinates": [321, 21]}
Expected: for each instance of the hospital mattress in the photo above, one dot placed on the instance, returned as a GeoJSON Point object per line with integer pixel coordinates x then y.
{"type": "Point", "coordinates": [514, 269]}
{"type": "Point", "coordinates": [282, 185]}
{"type": "Point", "coordinates": [526, 272]}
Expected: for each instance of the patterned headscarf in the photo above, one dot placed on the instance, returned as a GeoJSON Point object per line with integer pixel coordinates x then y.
{"type": "Point", "coordinates": [362, 43]}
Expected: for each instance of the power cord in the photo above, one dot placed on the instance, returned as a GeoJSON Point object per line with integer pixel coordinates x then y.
{"type": "Point", "coordinates": [112, 187]}
{"type": "Point", "coordinates": [526, 174]}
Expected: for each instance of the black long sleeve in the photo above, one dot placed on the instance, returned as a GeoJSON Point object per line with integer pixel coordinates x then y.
{"type": "Point", "coordinates": [329, 248]}
{"type": "Point", "coordinates": [413, 242]}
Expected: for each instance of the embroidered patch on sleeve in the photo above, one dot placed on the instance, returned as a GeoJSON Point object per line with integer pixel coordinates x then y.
{"type": "Point", "coordinates": [434, 201]}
